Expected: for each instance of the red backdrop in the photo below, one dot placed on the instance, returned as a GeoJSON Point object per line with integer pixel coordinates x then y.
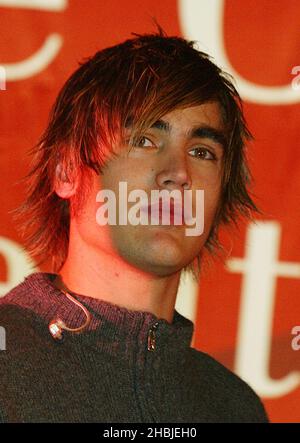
{"type": "Point", "coordinates": [248, 306]}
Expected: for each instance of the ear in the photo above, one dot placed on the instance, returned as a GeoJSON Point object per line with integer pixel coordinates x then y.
{"type": "Point", "coordinates": [64, 186]}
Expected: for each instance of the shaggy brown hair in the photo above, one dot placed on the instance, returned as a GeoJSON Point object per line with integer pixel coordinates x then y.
{"type": "Point", "coordinates": [139, 80]}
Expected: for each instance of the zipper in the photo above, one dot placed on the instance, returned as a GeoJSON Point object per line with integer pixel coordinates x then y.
{"type": "Point", "coordinates": [152, 337]}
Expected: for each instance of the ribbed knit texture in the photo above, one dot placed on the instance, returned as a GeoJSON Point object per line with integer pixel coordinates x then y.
{"type": "Point", "coordinates": [106, 373]}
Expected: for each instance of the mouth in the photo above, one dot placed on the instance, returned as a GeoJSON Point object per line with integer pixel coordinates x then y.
{"type": "Point", "coordinates": [165, 213]}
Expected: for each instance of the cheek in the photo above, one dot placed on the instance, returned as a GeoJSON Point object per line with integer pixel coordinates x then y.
{"type": "Point", "coordinates": [209, 180]}
{"type": "Point", "coordinates": [212, 197]}
{"type": "Point", "coordinates": [121, 171]}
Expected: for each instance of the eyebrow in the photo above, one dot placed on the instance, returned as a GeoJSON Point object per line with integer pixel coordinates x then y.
{"type": "Point", "coordinates": [202, 131]}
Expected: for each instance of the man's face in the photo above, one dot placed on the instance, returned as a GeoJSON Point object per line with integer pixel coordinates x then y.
{"type": "Point", "coordinates": [183, 150]}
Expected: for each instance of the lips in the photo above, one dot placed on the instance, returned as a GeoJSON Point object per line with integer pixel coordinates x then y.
{"type": "Point", "coordinates": [165, 212]}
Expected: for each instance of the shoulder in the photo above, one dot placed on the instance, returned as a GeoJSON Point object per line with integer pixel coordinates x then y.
{"type": "Point", "coordinates": [227, 389]}
{"type": "Point", "coordinates": [20, 322]}
{"type": "Point", "coordinates": [18, 295]}
{"type": "Point", "coordinates": [22, 308]}
{"type": "Point", "coordinates": [21, 350]}
{"type": "Point", "coordinates": [18, 328]}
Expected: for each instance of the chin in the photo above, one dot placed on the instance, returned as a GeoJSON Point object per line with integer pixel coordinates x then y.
{"type": "Point", "coordinates": [160, 264]}
{"type": "Point", "coordinates": [160, 269]}
{"type": "Point", "coordinates": [162, 252]}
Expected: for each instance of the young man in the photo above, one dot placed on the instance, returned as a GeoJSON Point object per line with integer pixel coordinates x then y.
{"type": "Point", "coordinates": [98, 339]}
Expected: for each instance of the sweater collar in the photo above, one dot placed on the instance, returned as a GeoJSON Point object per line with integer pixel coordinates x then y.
{"type": "Point", "coordinates": [111, 322]}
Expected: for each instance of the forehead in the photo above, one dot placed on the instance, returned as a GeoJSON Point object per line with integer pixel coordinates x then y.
{"type": "Point", "coordinates": [208, 114]}
{"type": "Point", "coordinates": [205, 120]}
{"type": "Point", "coordinates": [202, 121]}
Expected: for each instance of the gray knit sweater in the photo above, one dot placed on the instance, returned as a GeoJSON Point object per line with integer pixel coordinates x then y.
{"type": "Point", "coordinates": [106, 373]}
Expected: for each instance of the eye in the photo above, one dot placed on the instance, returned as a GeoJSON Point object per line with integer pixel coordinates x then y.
{"type": "Point", "coordinates": [144, 142]}
{"type": "Point", "coordinates": [203, 153]}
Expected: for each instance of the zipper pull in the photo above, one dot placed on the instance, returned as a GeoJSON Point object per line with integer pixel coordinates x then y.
{"type": "Point", "coordinates": [152, 337]}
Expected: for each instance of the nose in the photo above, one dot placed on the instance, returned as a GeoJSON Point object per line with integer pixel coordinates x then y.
{"type": "Point", "coordinates": [174, 173]}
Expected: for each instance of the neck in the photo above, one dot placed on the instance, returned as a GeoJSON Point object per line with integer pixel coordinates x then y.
{"type": "Point", "coordinates": [106, 276]}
